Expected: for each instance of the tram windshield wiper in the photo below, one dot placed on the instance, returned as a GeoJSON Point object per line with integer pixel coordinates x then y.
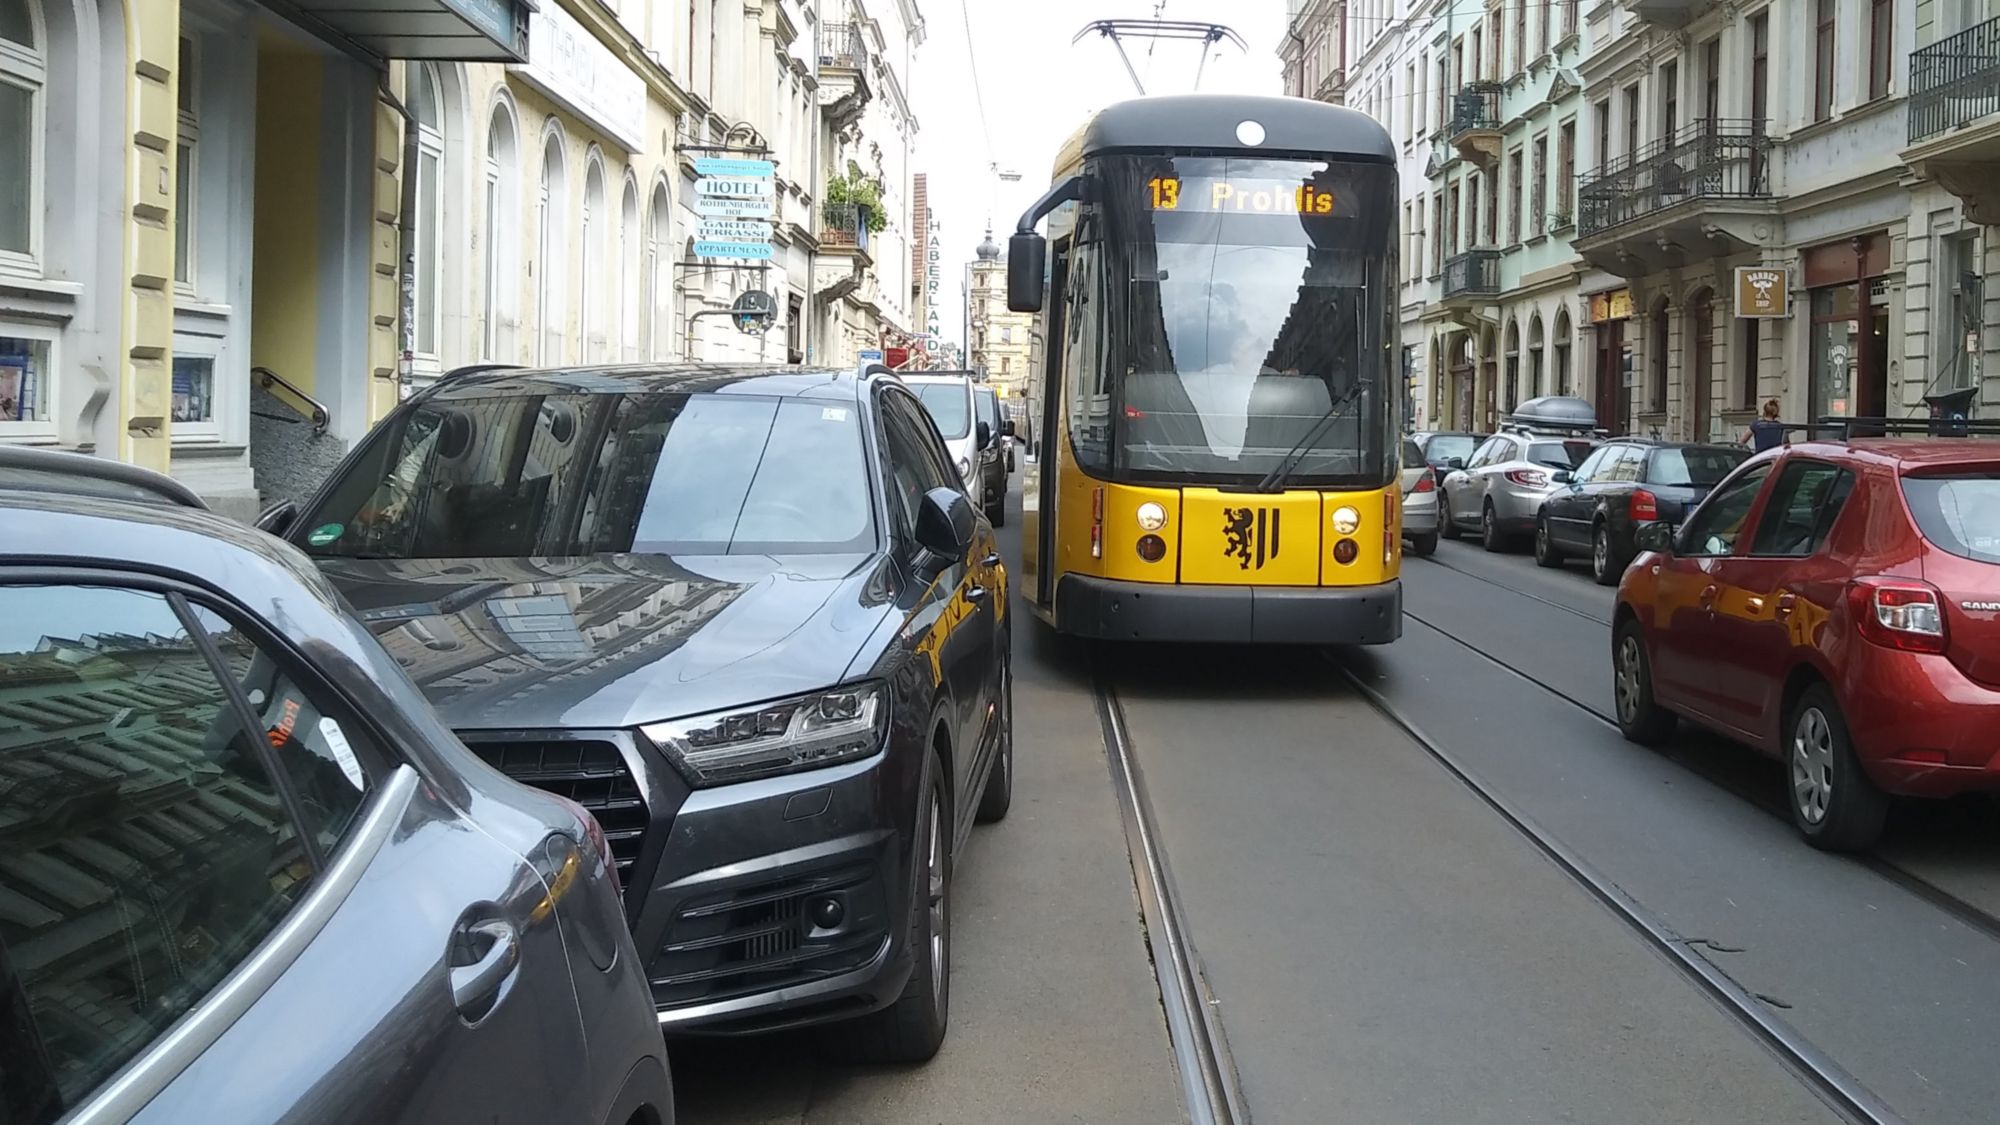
{"type": "Point", "coordinates": [1274, 481]}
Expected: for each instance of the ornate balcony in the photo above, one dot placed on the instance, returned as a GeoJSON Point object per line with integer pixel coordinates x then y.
{"type": "Point", "coordinates": [843, 74]}
{"type": "Point", "coordinates": [1672, 15]}
{"type": "Point", "coordinates": [1955, 117]}
{"type": "Point", "coordinates": [1704, 192]}
{"type": "Point", "coordinates": [1474, 129]}
{"type": "Point", "coordinates": [1472, 277]}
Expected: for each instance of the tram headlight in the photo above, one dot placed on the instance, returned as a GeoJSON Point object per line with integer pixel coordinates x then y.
{"type": "Point", "coordinates": [964, 470]}
{"type": "Point", "coordinates": [1346, 520]}
{"type": "Point", "coordinates": [1152, 517]}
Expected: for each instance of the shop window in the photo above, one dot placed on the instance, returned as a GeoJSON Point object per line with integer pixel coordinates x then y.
{"type": "Point", "coordinates": [1955, 341]}
{"type": "Point", "coordinates": [193, 389]}
{"type": "Point", "coordinates": [23, 71]}
{"type": "Point", "coordinates": [502, 242]}
{"type": "Point", "coordinates": [427, 106]}
{"type": "Point", "coordinates": [26, 369]}
{"type": "Point", "coordinates": [1561, 348]}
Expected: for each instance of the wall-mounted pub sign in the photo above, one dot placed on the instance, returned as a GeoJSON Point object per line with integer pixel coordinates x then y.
{"type": "Point", "coordinates": [1762, 292]}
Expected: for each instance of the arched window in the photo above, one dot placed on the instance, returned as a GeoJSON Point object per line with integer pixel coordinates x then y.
{"type": "Point", "coordinates": [503, 241]}
{"type": "Point", "coordinates": [1513, 362]}
{"type": "Point", "coordinates": [550, 308]}
{"type": "Point", "coordinates": [660, 275]}
{"type": "Point", "coordinates": [628, 273]}
{"type": "Point", "coordinates": [1535, 384]}
{"type": "Point", "coordinates": [596, 264]}
{"type": "Point", "coordinates": [1662, 332]}
{"type": "Point", "coordinates": [427, 107]}
{"type": "Point", "coordinates": [1561, 346]}
{"type": "Point", "coordinates": [23, 72]}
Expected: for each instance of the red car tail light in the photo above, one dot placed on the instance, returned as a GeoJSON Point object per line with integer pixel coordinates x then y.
{"type": "Point", "coordinates": [1898, 613]}
{"type": "Point", "coordinates": [1643, 505]}
{"type": "Point", "coordinates": [1528, 478]}
{"type": "Point", "coordinates": [1426, 483]}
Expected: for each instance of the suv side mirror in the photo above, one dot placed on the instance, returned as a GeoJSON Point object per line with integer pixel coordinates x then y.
{"type": "Point", "coordinates": [1007, 427]}
{"type": "Point", "coordinates": [1655, 536]}
{"type": "Point", "coordinates": [1027, 262]}
{"type": "Point", "coordinates": [1454, 464]}
{"type": "Point", "coordinates": [278, 518]}
{"type": "Point", "coordinates": [1561, 476]}
{"type": "Point", "coordinates": [985, 432]}
{"type": "Point", "coordinates": [945, 523]}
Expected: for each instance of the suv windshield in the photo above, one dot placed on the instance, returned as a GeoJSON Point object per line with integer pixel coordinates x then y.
{"type": "Point", "coordinates": [1959, 513]}
{"type": "Point", "coordinates": [531, 475]}
{"type": "Point", "coordinates": [1445, 446]}
{"type": "Point", "coordinates": [948, 406]}
{"type": "Point", "coordinates": [1703, 468]}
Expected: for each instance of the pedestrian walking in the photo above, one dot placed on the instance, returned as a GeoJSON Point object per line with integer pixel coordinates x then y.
{"type": "Point", "coordinates": [1766, 432]}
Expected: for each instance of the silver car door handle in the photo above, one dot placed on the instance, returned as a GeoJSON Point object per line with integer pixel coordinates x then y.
{"type": "Point", "coordinates": [484, 955]}
{"type": "Point", "coordinates": [991, 560]}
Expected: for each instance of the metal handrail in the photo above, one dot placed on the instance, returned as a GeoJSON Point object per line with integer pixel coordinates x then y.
{"type": "Point", "coordinates": [266, 378]}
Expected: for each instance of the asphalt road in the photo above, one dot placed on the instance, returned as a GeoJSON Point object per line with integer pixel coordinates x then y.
{"type": "Point", "coordinates": [1381, 946]}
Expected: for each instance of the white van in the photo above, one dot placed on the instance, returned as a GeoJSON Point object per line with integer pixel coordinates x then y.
{"type": "Point", "coordinates": [947, 395]}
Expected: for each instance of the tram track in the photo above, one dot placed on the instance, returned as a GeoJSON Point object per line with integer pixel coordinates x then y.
{"type": "Point", "coordinates": [1210, 1089]}
{"type": "Point", "coordinates": [1965, 912]}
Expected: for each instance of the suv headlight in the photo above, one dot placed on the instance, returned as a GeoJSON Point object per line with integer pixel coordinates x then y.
{"type": "Point", "coordinates": [801, 733]}
{"type": "Point", "coordinates": [964, 469]}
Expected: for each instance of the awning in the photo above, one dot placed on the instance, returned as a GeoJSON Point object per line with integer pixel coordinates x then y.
{"type": "Point", "coordinates": [442, 30]}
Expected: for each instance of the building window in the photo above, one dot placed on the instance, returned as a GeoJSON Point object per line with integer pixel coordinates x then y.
{"type": "Point", "coordinates": [1956, 350]}
{"type": "Point", "coordinates": [1603, 153]}
{"type": "Point", "coordinates": [427, 106]}
{"type": "Point", "coordinates": [1569, 19]}
{"type": "Point", "coordinates": [1711, 83]}
{"type": "Point", "coordinates": [1520, 35]}
{"type": "Point", "coordinates": [1566, 171]}
{"type": "Point", "coordinates": [1493, 215]}
{"type": "Point", "coordinates": [1416, 100]}
{"type": "Point", "coordinates": [185, 180]}
{"type": "Point", "coordinates": [1631, 123]}
{"type": "Point", "coordinates": [1670, 101]}
{"type": "Point", "coordinates": [1538, 202]}
{"type": "Point", "coordinates": [1561, 346]}
{"type": "Point", "coordinates": [1439, 232]}
{"type": "Point", "coordinates": [1534, 387]}
{"type": "Point", "coordinates": [23, 69]}
{"type": "Point", "coordinates": [1514, 199]}
{"type": "Point", "coordinates": [1544, 20]}
{"type": "Point", "coordinates": [1662, 332]}
{"type": "Point", "coordinates": [26, 363]}
{"type": "Point", "coordinates": [1746, 365]}
{"type": "Point", "coordinates": [193, 388]}
{"type": "Point", "coordinates": [1823, 61]}
{"type": "Point", "coordinates": [629, 259]}
{"type": "Point", "coordinates": [660, 275]}
{"type": "Point", "coordinates": [551, 248]}
{"type": "Point", "coordinates": [596, 263]}
{"type": "Point", "coordinates": [502, 241]}
{"type": "Point", "coordinates": [1881, 38]}
{"type": "Point", "coordinates": [1444, 68]}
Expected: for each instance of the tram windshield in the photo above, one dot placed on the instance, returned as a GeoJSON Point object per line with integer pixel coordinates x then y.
{"type": "Point", "coordinates": [1245, 299]}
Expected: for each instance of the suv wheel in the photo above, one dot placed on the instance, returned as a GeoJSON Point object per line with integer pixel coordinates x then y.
{"type": "Point", "coordinates": [912, 1029]}
{"type": "Point", "coordinates": [1490, 535]}
{"type": "Point", "coordinates": [998, 795]}
{"type": "Point", "coordinates": [1448, 522]}
{"type": "Point", "coordinates": [1546, 553]}
{"type": "Point", "coordinates": [1604, 564]}
{"type": "Point", "coordinates": [1640, 718]}
{"type": "Point", "coordinates": [1834, 805]}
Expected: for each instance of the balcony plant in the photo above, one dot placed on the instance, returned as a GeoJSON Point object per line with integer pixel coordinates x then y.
{"type": "Point", "coordinates": [860, 192]}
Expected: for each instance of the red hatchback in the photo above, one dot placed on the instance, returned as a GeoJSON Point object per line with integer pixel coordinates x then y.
{"type": "Point", "coordinates": [1836, 605]}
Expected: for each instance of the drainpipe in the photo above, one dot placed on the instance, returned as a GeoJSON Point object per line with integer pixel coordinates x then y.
{"type": "Point", "coordinates": [406, 245]}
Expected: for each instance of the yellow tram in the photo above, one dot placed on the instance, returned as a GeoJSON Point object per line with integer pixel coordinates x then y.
{"type": "Point", "coordinates": [1218, 385]}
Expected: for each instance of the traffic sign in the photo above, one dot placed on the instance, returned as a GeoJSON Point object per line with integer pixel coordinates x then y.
{"type": "Point", "coordinates": [754, 310]}
{"type": "Point", "coordinates": [754, 251]}
{"type": "Point", "coordinates": [871, 355]}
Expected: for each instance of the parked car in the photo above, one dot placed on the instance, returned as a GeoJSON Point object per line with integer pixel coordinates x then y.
{"type": "Point", "coordinates": [1622, 486]}
{"type": "Point", "coordinates": [1420, 507]}
{"type": "Point", "coordinates": [749, 617]}
{"type": "Point", "coordinates": [1499, 491]}
{"type": "Point", "coordinates": [1439, 448]}
{"type": "Point", "coordinates": [1833, 605]}
{"type": "Point", "coordinates": [248, 875]}
{"type": "Point", "coordinates": [948, 397]}
{"type": "Point", "coordinates": [992, 455]}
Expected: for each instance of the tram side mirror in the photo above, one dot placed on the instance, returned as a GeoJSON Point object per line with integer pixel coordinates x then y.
{"type": "Point", "coordinates": [985, 432]}
{"type": "Point", "coordinates": [1655, 536]}
{"type": "Point", "coordinates": [1027, 264]}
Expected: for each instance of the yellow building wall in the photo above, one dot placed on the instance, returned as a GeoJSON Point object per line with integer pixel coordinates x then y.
{"type": "Point", "coordinates": [144, 392]}
{"type": "Point", "coordinates": [285, 230]}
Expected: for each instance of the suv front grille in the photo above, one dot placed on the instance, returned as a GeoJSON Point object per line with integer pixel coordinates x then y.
{"type": "Point", "coordinates": [760, 937]}
{"type": "Point", "coordinates": [593, 774]}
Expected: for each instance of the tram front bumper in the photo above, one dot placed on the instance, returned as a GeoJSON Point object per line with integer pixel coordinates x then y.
{"type": "Point", "coordinates": [1108, 609]}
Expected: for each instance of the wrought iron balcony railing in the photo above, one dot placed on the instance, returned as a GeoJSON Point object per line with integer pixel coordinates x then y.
{"type": "Point", "coordinates": [843, 227]}
{"type": "Point", "coordinates": [1475, 107]}
{"type": "Point", "coordinates": [841, 44]}
{"type": "Point", "coordinates": [1475, 273]}
{"type": "Point", "coordinates": [1702, 160]}
{"type": "Point", "coordinates": [1955, 81]}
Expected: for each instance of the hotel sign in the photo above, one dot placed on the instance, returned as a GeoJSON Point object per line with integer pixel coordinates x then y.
{"type": "Point", "coordinates": [570, 65]}
{"type": "Point", "coordinates": [933, 275]}
{"type": "Point", "coordinates": [1762, 293]}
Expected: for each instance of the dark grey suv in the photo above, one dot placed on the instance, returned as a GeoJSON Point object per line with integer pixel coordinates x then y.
{"type": "Point", "coordinates": [750, 619]}
{"type": "Point", "coordinates": [245, 873]}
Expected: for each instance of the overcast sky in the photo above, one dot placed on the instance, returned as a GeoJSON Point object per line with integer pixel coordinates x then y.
{"type": "Point", "coordinates": [1037, 90]}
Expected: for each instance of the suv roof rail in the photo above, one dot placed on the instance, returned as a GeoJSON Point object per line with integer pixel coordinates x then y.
{"type": "Point", "coordinates": [85, 466]}
{"type": "Point", "coordinates": [872, 367]}
{"type": "Point", "coordinates": [1844, 428]}
{"type": "Point", "coordinates": [478, 369]}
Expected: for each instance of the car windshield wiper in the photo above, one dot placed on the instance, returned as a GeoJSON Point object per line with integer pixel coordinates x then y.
{"type": "Point", "coordinates": [1274, 481]}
